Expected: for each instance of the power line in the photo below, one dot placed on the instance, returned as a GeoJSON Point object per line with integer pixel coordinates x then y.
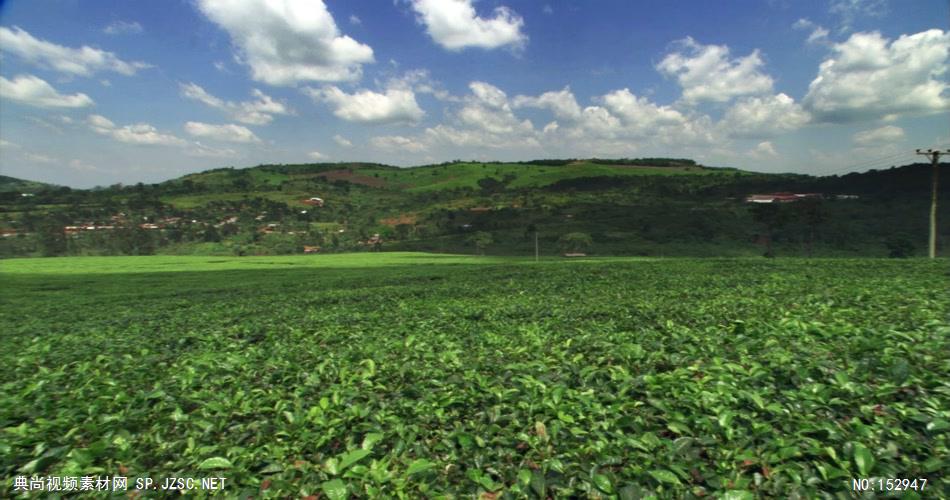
{"type": "Point", "coordinates": [890, 159]}
{"type": "Point", "coordinates": [868, 164]}
{"type": "Point", "coordinates": [868, 167]}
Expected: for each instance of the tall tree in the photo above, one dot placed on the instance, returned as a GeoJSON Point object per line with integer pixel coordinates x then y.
{"type": "Point", "coordinates": [481, 239]}
{"type": "Point", "coordinates": [52, 239]}
{"type": "Point", "coordinates": [770, 217]}
{"type": "Point", "coordinates": [576, 242]}
{"type": "Point", "coordinates": [813, 215]}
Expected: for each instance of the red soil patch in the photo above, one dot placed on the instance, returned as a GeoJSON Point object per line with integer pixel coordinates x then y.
{"type": "Point", "coordinates": [401, 219]}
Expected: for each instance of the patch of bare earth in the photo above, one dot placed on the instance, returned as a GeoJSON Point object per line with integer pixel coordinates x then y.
{"type": "Point", "coordinates": [400, 219]}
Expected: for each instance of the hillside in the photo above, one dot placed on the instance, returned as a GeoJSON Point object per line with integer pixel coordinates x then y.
{"type": "Point", "coordinates": [8, 184]}
{"type": "Point", "coordinates": [437, 177]}
{"type": "Point", "coordinates": [619, 207]}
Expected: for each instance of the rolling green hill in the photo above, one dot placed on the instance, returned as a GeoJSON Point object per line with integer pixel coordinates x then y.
{"type": "Point", "coordinates": [615, 207]}
{"type": "Point", "coordinates": [439, 177]}
{"type": "Point", "coordinates": [8, 184]}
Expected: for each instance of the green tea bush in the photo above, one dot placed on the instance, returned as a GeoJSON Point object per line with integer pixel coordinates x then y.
{"type": "Point", "coordinates": [414, 378]}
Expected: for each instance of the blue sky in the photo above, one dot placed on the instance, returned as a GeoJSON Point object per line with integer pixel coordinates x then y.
{"type": "Point", "coordinates": [94, 93]}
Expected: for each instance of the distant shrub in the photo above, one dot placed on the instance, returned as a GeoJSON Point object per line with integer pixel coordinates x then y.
{"type": "Point", "coordinates": [575, 242]}
{"type": "Point", "coordinates": [899, 247]}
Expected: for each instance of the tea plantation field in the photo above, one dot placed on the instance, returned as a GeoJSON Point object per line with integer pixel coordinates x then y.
{"type": "Point", "coordinates": [413, 375]}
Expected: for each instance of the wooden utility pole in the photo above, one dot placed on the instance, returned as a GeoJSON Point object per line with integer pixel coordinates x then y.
{"type": "Point", "coordinates": [934, 156]}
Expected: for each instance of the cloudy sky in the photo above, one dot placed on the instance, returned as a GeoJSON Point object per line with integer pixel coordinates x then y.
{"type": "Point", "coordinates": [93, 93]}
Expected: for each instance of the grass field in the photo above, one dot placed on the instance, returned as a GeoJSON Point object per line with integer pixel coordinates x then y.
{"type": "Point", "coordinates": [414, 375]}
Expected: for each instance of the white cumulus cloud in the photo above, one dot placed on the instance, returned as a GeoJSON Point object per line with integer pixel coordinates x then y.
{"type": "Point", "coordinates": [618, 123]}
{"type": "Point", "coordinates": [139, 133]}
{"type": "Point", "coordinates": [394, 105]}
{"type": "Point", "coordinates": [878, 136]}
{"type": "Point", "coordinates": [342, 141]}
{"type": "Point", "coordinates": [199, 150]}
{"type": "Point", "coordinates": [38, 158]}
{"type": "Point", "coordinates": [260, 111]}
{"type": "Point", "coordinates": [818, 35]}
{"type": "Point", "coordinates": [759, 117]}
{"type": "Point", "coordinates": [285, 42]}
{"type": "Point", "coordinates": [618, 119]}
{"type": "Point", "coordinates": [227, 132]}
{"type": "Point", "coordinates": [560, 102]}
{"type": "Point", "coordinates": [398, 143]}
{"type": "Point", "coordinates": [710, 73]}
{"type": "Point", "coordinates": [100, 123]}
{"type": "Point", "coordinates": [81, 166]}
{"type": "Point", "coordinates": [316, 155]}
{"type": "Point", "coordinates": [123, 28]}
{"type": "Point", "coordinates": [486, 120]}
{"type": "Point", "coordinates": [454, 25]}
{"type": "Point", "coordinates": [34, 91]}
{"type": "Point", "coordinates": [596, 122]}
{"type": "Point", "coordinates": [850, 11]}
{"type": "Point", "coordinates": [640, 112]}
{"type": "Point", "coordinates": [870, 77]}
{"type": "Point", "coordinates": [83, 61]}
{"type": "Point", "coordinates": [764, 150]}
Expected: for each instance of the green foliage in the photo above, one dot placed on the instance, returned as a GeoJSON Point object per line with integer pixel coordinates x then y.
{"type": "Point", "coordinates": [575, 242]}
{"type": "Point", "coordinates": [52, 240]}
{"type": "Point", "coordinates": [13, 185]}
{"type": "Point", "coordinates": [899, 246]}
{"type": "Point", "coordinates": [481, 239]}
{"type": "Point", "coordinates": [770, 217]}
{"type": "Point", "coordinates": [490, 185]}
{"type": "Point", "coordinates": [422, 376]}
{"type": "Point", "coordinates": [649, 207]}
